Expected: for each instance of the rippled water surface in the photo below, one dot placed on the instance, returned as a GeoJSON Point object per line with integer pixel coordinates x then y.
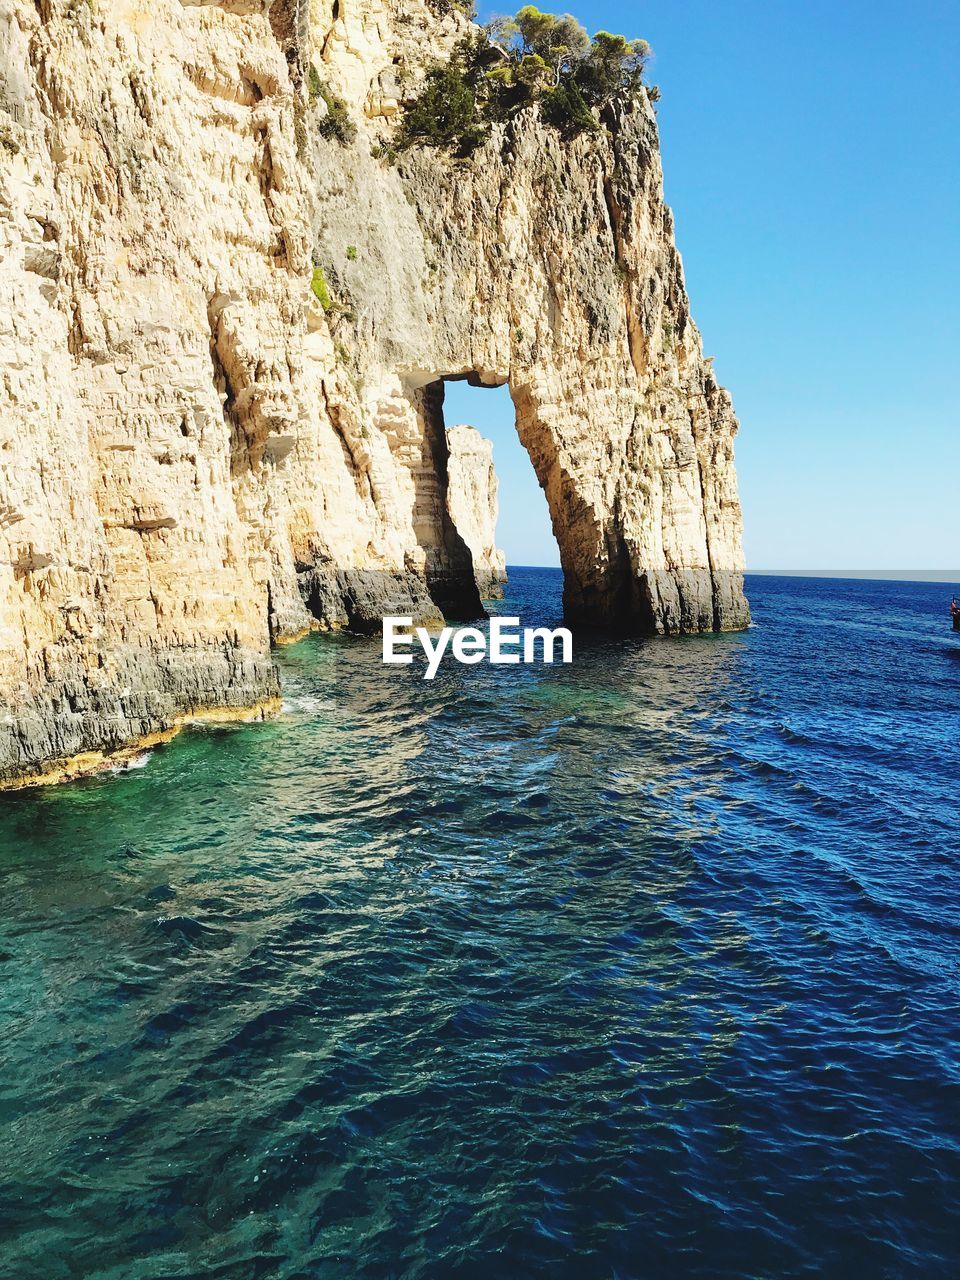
{"type": "Point", "coordinates": [646, 967]}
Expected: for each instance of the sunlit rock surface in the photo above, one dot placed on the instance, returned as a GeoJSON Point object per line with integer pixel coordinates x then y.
{"type": "Point", "coordinates": [198, 458]}
{"type": "Point", "coordinates": [473, 506]}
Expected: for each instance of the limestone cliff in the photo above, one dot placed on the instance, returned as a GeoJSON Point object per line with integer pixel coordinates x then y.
{"type": "Point", "coordinates": [223, 340]}
{"type": "Point", "coordinates": [472, 503]}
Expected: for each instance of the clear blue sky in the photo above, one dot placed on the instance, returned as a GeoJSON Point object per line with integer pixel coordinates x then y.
{"type": "Point", "coordinates": [812, 158]}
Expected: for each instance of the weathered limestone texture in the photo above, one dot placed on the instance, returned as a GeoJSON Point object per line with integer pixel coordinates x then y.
{"type": "Point", "coordinates": [223, 339]}
{"type": "Point", "coordinates": [472, 502]}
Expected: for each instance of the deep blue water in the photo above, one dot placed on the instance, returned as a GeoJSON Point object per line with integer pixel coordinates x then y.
{"type": "Point", "coordinates": [644, 967]}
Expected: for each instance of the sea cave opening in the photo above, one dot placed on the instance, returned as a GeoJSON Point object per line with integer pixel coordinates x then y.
{"type": "Point", "coordinates": [480, 421]}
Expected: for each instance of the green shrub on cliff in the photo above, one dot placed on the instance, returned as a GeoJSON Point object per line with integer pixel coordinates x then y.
{"type": "Point", "coordinates": [336, 123]}
{"type": "Point", "coordinates": [560, 43]}
{"type": "Point", "coordinates": [319, 289]}
{"type": "Point", "coordinates": [567, 109]}
{"type": "Point", "coordinates": [445, 112]}
{"type": "Point", "coordinates": [613, 65]}
{"type": "Point", "coordinates": [449, 6]}
{"type": "Point", "coordinates": [518, 62]}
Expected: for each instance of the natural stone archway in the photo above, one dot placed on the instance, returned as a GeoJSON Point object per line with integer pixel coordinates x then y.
{"type": "Point", "coordinates": [550, 266]}
{"type": "Point", "coordinates": [596, 495]}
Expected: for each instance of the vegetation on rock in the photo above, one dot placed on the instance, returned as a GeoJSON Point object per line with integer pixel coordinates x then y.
{"type": "Point", "coordinates": [319, 289]}
{"type": "Point", "coordinates": [336, 123]}
{"type": "Point", "coordinates": [448, 6]}
{"type": "Point", "coordinates": [514, 63]}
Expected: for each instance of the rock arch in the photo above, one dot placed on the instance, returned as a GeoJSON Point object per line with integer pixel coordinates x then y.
{"type": "Point", "coordinates": [549, 266]}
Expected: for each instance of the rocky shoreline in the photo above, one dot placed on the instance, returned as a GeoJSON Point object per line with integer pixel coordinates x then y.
{"type": "Point", "coordinates": [224, 336]}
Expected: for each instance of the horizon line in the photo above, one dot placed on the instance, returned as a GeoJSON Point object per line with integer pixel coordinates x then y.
{"type": "Point", "coordinates": [870, 575]}
{"type": "Point", "coordinates": [867, 575]}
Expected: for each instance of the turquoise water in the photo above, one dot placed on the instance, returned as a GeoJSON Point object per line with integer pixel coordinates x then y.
{"type": "Point", "coordinates": [645, 967]}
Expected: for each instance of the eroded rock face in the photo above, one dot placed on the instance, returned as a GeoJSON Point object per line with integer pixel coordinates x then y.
{"type": "Point", "coordinates": [473, 506]}
{"type": "Point", "coordinates": [197, 458]}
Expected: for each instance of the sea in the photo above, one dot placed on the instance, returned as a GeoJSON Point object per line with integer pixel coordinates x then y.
{"type": "Point", "coordinates": [647, 966]}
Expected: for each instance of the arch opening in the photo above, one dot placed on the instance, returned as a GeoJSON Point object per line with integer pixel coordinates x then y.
{"type": "Point", "coordinates": [494, 496]}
